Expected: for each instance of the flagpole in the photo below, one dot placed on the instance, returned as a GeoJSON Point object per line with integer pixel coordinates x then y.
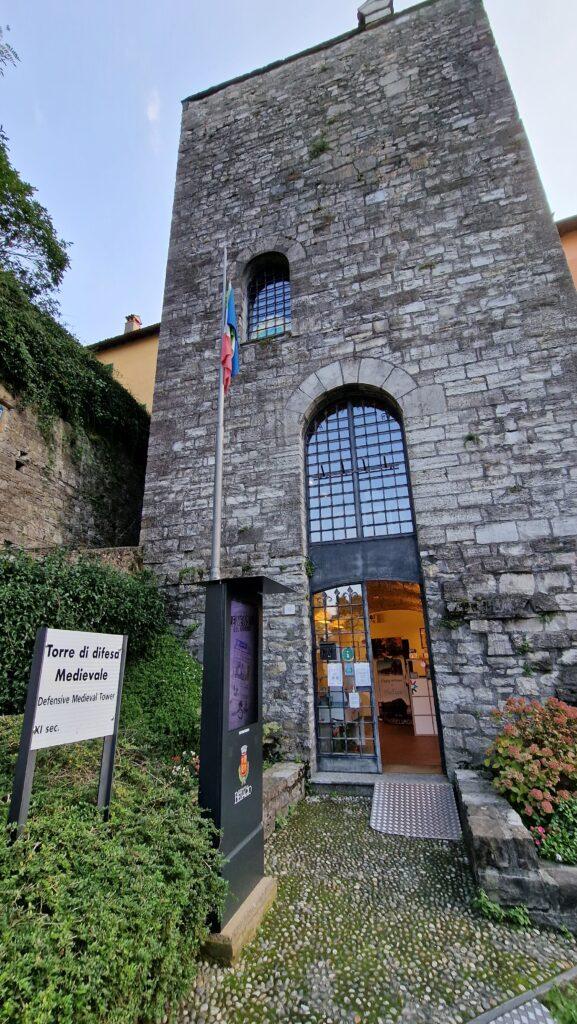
{"type": "Point", "coordinates": [217, 493]}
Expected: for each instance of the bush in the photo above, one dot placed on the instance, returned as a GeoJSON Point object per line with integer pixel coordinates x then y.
{"type": "Point", "coordinates": [560, 842]}
{"type": "Point", "coordinates": [46, 368]}
{"type": "Point", "coordinates": [161, 697]}
{"type": "Point", "coordinates": [101, 921]}
{"type": "Point", "coordinates": [534, 759]}
{"type": "Point", "coordinates": [272, 737]}
{"type": "Point", "coordinates": [84, 594]}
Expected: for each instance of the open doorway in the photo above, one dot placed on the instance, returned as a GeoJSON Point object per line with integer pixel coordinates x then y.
{"type": "Point", "coordinates": [403, 685]}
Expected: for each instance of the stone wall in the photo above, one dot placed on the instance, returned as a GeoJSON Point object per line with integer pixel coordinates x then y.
{"type": "Point", "coordinates": [60, 492]}
{"type": "Point", "coordinates": [283, 786]}
{"type": "Point", "coordinates": [391, 168]}
{"type": "Point", "coordinates": [504, 857]}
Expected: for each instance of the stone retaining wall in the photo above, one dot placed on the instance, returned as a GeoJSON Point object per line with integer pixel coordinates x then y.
{"type": "Point", "coordinates": [504, 857]}
{"type": "Point", "coordinates": [57, 492]}
{"type": "Point", "coordinates": [283, 786]}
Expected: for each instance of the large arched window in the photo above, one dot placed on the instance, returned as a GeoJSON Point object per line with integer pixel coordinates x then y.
{"type": "Point", "coordinates": [357, 473]}
{"type": "Point", "coordinates": [269, 296]}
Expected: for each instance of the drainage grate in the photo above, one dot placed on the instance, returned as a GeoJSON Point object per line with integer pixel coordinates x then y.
{"type": "Point", "coordinates": [419, 810]}
{"type": "Point", "coordinates": [531, 1013]}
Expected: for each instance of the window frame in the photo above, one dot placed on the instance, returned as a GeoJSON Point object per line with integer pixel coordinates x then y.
{"type": "Point", "coordinates": [356, 500]}
{"type": "Point", "coordinates": [277, 264]}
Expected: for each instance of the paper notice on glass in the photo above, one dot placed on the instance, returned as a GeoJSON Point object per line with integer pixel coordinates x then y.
{"type": "Point", "coordinates": [335, 670]}
{"type": "Point", "coordinates": [362, 674]}
{"type": "Point", "coordinates": [354, 699]}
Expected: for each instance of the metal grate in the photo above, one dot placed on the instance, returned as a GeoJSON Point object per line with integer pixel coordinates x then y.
{"type": "Point", "coordinates": [269, 297]}
{"type": "Point", "coordinates": [339, 626]}
{"type": "Point", "coordinates": [357, 474]}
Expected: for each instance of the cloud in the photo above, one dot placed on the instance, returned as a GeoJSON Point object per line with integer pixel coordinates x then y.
{"type": "Point", "coordinates": [153, 107]}
{"type": "Point", "coordinates": [153, 118]}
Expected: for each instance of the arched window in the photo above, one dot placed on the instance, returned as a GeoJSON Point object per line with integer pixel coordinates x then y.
{"type": "Point", "coordinates": [269, 296]}
{"type": "Point", "coordinates": [357, 473]}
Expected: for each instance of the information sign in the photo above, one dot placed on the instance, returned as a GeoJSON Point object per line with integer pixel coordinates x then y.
{"type": "Point", "coordinates": [74, 694]}
{"type": "Point", "coordinates": [348, 654]}
{"type": "Point", "coordinates": [335, 674]}
{"type": "Point", "coordinates": [362, 674]}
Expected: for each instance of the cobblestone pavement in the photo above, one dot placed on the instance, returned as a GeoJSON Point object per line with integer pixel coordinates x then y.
{"type": "Point", "coordinates": [372, 929]}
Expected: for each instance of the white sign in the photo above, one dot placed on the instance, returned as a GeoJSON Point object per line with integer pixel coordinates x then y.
{"type": "Point", "coordinates": [335, 670]}
{"type": "Point", "coordinates": [78, 688]}
{"type": "Point", "coordinates": [362, 674]}
{"type": "Point", "coordinates": [354, 700]}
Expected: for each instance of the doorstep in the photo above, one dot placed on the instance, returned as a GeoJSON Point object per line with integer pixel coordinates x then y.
{"type": "Point", "coordinates": [363, 783]}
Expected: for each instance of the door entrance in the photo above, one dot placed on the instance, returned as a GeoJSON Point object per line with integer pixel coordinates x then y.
{"type": "Point", "coordinates": [375, 704]}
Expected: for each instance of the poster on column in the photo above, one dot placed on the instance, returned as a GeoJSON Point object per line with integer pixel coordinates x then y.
{"type": "Point", "coordinates": [243, 682]}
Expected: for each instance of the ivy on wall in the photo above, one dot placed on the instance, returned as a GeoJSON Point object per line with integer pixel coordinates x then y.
{"type": "Point", "coordinates": [43, 366]}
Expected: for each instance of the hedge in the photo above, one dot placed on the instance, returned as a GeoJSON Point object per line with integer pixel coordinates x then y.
{"type": "Point", "coordinates": [84, 594]}
{"type": "Point", "coordinates": [46, 368]}
{"type": "Point", "coordinates": [101, 921]}
{"type": "Point", "coordinates": [161, 698]}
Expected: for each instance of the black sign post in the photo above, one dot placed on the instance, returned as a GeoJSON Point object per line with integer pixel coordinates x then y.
{"type": "Point", "coordinates": [230, 785]}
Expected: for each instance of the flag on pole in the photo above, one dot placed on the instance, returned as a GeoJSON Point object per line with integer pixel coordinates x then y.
{"type": "Point", "coordinates": [229, 355]}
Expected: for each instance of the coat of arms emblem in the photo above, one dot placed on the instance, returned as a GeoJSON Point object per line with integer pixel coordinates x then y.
{"type": "Point", "coordinates": [244, 766]}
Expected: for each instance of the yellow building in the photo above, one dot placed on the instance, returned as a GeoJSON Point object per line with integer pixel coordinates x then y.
{"type": "Point", "coordinates": [568, 232]}
{"type": "Point", "coordinates": [132, 356]}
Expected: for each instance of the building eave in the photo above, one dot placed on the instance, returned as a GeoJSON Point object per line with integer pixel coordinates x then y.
{"type": "Point", "coordinates": [124, 339]}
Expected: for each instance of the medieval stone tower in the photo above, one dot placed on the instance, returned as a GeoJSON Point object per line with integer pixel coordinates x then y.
{"type": "Point", "coordinates": [401, 438]}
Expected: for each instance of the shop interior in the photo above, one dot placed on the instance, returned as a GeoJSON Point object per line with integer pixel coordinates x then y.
{"type": "Point", "coordinates": [403, 687]}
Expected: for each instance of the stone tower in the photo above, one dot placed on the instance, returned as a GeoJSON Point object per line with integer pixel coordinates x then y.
{"type": "Point", "coordinates": [389, 170]}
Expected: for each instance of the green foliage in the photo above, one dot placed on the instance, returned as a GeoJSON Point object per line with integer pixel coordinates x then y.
{"type": "Point", "coordinates": [516, 916]}
{"type": "Point", "coordinates": [318, 147]}
{"type": "Point", "coordinates": [272, 736]}
{"type": "Point", "coordinates": [562, 1003]}
{"type": "Point", "coordinates": [29, 245]}
{"type": "Point", "coordinates": [101, 921]}
{"type": "Point", "coordinates": [534, 758]}
{"type": "Point", "coordinates": [161, 697]}
{"type": "Point", "coordinates": [52, 591]}
{"type": "Point", "coordinates": [46, 368]}
{"type": "Point", "coordinates": [309, 567]}
{"type": "Point", "coordinates": [560, 841]}
{"type": "Point", "coordinates": [8, 54]}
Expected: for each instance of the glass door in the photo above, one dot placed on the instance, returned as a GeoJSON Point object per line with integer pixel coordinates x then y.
{"type": "Point", "coordinates": [345, 705]}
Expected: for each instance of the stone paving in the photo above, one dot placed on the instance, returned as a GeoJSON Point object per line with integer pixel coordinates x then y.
{"type": "Point", "coordinates": [372, 929]}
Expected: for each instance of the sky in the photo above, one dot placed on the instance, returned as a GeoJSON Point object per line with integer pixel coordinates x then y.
{"type": "Point", "coordinates": [92, 113]}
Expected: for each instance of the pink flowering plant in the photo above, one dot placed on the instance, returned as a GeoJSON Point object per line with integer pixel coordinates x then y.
{"type": "Point", "coordinates": [534, 758]}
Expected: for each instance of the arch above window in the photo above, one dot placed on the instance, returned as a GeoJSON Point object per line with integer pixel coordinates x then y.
{"type": "Point", "coordinates": [268, 296]}
{"type": "Point", "coordinates": [357, 477]}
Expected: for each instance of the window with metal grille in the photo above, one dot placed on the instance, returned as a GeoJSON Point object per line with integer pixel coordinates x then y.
{"type": "Point", "coordinates": [269, 296]}
{"type": "Point", "coordinates": [357, 474]}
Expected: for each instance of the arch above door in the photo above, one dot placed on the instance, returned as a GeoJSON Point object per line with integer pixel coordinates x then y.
{"type": "Point", "coordinates": [413, 400]}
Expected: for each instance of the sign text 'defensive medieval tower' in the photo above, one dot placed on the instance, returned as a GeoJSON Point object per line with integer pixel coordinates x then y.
{"type": "Point", "coordinates": [400, 443]}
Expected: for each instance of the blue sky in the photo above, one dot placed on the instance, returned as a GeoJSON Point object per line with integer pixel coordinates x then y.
{"type": "Point", "coordinates": [93, 112]}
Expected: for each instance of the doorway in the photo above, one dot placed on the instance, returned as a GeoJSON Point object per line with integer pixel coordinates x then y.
{"type": "Point", "coordinates": [375, 702]}
{"type": "Point", "coordinates": [403, 683]}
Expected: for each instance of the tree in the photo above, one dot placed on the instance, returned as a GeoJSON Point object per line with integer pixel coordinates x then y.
{"type": "Point", "coordinates": [29, 247]}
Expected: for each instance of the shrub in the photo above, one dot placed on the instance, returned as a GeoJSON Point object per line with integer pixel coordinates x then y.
{"type": "Point", "coordinates": [534, 759]}
{"type": "Point", "coordinates": [560, 842]}
{"type": "Point", "coordinates": [562, 1002]}
{"type": "Point", "coordinates": [85, 595]}
{"type": "Point", "coordinates": [161, 697]}
{"type": "Point", "coordinates": [101, 921]}
{"type": "Point", "coordinates": [272, 737]}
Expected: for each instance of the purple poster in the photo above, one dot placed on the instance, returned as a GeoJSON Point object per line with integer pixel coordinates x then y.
{"type": "Point", "coordinates": [242, 701]}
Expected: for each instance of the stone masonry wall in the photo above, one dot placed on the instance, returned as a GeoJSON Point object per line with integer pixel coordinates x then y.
{"type": "Point", "coordinates": [392, 169]}
{"type": "Point", "coordinates": [55, 493]}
